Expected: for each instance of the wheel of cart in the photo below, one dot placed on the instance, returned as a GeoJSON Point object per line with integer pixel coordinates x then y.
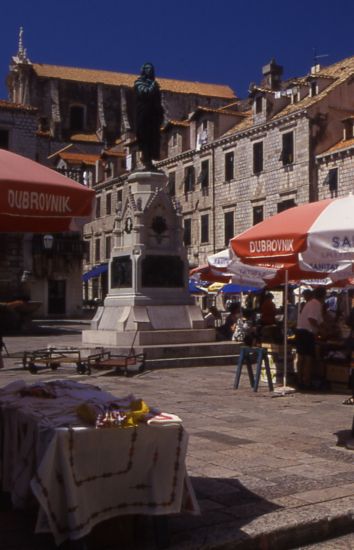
{"type": "Point", "coordinates": [55, 366]}
{"type": "Point", "coordinates": [32, 368]}
{"type": "Point", "coordinates": [81, 368]}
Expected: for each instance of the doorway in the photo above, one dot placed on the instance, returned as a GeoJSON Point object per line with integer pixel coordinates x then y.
{"type": "Point", "coordinates": [56, 297]}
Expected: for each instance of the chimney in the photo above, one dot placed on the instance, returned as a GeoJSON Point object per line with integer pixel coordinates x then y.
{"type": "Point", "coordinates": [272, 75]}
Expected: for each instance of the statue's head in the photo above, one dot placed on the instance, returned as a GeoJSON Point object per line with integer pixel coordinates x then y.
{"type": "Point", "coordinates": [148, 70]}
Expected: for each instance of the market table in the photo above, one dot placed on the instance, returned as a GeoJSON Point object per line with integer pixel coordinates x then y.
{"type": "Point", "coordinates": [83, 475]}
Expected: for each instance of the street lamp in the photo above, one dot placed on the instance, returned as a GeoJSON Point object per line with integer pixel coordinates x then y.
{"type": "Point", "coordinates": [48, 241]}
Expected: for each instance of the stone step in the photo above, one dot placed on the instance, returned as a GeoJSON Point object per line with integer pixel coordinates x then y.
{"type": "Point", "coordinates": [214, 349]}
{"type": "Point", "coordinates": [180, 362]}
{"type": "Point", "coordinates": [185, 355]}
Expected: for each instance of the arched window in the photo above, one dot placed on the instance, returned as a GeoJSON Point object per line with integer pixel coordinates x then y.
{"type": "Point", "coordinates": [77, 118]}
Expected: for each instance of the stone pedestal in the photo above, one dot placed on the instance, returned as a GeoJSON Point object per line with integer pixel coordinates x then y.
{"type": "Point", "coordinates": [148, 302]}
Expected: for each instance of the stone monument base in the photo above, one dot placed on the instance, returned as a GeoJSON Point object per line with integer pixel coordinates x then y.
{"type": "Point", "coordinates": [147, 325]}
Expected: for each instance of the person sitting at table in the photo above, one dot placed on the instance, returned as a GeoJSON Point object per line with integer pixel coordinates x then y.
{"type": "Point", "coordinates": [268, 324]}
{"type": "Point", "coordinates": [226, 331]}
{"type": "Point", "coordinates": [268, 310]}
{"type": "Point", "coordinates": [306, 295]}
{"type": "Point", "coordinates": [213, 317]}
{"type": "Point", "coordinates": [309, 325]}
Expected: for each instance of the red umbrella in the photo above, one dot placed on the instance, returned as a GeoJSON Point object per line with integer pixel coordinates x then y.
{"type": "Point", "coordinates": [36, 199]}
{"type": "Point", "coordinates": [315, 237]}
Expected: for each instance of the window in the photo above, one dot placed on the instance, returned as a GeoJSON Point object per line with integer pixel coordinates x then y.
{"type": "Point", "coordinates": [109, 203]}
{"type": "Point", "coordinates": [287, 154]}
{"type": "Point", "coordinates": [332, 182]}
{"type": "Point", "coordinates": [97, 250]}
{"type": "Point", "coordinates": [204, 228]}
{"type": "Point", "coordinates": [189, 179]}
{"type": "Point", "coordinates": [284, 205]}
{"type": "Point", "coordinates": [98, 207]}
{"type": "Point", "coordinates": [108, 246]}
{"type": "Point", "coordinates": [229, 166]}
{"type": "Point", "coordinates": [259, 104]}
{"type": "Point", "coordinates": [174, 139]}
{"type": "Point", "coordinates": [313, 88]}
{"type": "Point", "coordinates": [171, 186]}
{"type": "Point", "coordinates": [257, 214]}
{"type": "Point", "coordinates": [77, 118]}
{"type": "Point", "coordinates": [204, 174]}
{"type": "Point", "coordinates": [119, 195]}
{"type": "Point", "coordinates": [228, 227]}
{"type": "Point", "coordinates": [348, 129]}
{"type": "Point", "coordinates": [187, 238]}
{"type": "Point", "coordinates": [4, 139]}
{"type": "Point", "coordinates": [258, 157]}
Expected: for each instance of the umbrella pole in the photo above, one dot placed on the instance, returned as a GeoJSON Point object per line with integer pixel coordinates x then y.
{"type": "Point", "coordinates": [286, 289]}
{"type": "Point", "coordinates": [284, 390]}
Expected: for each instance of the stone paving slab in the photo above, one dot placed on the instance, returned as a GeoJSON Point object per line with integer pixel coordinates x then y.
{"type": "Point", "coordinates": [268, 472]}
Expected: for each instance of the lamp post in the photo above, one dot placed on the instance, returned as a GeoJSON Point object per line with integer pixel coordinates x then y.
{"type": "Point", "coordinates": [48, 241]}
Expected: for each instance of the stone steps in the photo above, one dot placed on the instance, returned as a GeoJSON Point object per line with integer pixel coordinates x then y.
{"type": "Point", "coordinates": [187, 355]}
{"type": "Point", "coordinates": [180, 362]}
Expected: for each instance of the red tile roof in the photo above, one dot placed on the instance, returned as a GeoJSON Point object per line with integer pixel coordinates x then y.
{"type": "Point", "coordinates": [85, 137]}
{"type": "Point", "coordinates": [4, 104]}
{"type": "Point", "coordinates": [123, 79]}
{"type": "Point", "coordinates": [341, 145]}
{"type": "Point", "coordinates": [77, 158]}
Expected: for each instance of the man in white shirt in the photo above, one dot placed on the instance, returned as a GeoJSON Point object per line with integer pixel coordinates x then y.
{"type": "Point", "coordinates": [309, 324]}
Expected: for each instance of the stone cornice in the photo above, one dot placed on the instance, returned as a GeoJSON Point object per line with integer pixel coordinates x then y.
{"type": "Point", "coordinates": [332, 155]}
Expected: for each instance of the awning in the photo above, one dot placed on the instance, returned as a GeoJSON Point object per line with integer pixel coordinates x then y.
{"type": "Point", "coordinates": [237, 289]}
{"type": "Point", "coordinates": [95, 272]}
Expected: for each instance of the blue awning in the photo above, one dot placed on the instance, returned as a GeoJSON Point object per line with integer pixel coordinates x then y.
{"type": "Point", "coordinates": [95, 272]}
{"type": "Point", "coordinates": [194, 288]}
{"type": "Point", "coordinates": [237, 289]}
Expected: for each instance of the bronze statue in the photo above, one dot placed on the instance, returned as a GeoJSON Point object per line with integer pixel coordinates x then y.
{"type": "Point", "coordinates": [149, 115]}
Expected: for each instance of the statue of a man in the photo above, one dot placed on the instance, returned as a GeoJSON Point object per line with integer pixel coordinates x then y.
{"type": "Point", "coordinates": [149, 115]}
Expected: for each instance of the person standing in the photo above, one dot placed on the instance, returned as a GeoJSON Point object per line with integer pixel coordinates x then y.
{"type": "Point", "coordinates": [310, 323]}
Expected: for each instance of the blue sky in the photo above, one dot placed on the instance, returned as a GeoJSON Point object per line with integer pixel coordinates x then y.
{"type": "Point", "coordinates": [219, 41]}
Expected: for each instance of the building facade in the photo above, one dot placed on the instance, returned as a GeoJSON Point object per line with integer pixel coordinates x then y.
{"type": "Point", "coordinates": [230, 162]}
{"type": "Point", "coordinates": [288, 143]}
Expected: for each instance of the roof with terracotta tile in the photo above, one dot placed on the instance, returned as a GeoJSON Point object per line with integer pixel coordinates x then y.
{"type": "Point", "coordinates": [245, 123]}
{"type": "Point", "coordinates": [85, 137]}
{"type": "Point", "coordinates": [222, 111]}
{"type": "Point", "coordinates": [113, 153]}
{"type": "Point", "coordinates": [76, 158]}
{"type": "Point", "coordinates": [336, 74]}
{"type": "Point", "coordinates": [342, 145]}
{"type": "Point", "coordinates": [4, 104]}
{"type": "Point", "coordinates": [178, 123]}
{"type": "Point", "coordinates": [111, 78]}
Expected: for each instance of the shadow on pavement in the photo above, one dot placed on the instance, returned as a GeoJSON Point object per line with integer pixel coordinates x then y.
{"type": "Point", "coordinates": [222, 501]}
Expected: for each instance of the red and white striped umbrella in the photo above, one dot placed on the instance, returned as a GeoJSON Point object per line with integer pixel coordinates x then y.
{"type": "Point", "coordinates": [315, 237]}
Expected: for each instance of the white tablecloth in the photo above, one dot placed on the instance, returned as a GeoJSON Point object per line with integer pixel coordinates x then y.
{"type": "Point", "coordinates": [82, 476]}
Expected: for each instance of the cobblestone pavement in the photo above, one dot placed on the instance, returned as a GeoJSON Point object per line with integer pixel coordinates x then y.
{"type": "Point", "coordinates": [269, 472]}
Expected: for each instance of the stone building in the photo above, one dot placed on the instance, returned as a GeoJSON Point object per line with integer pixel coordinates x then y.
{"type": "Point", "coordinates": [93, 110]}
{"type": "Point", "coordinates": [267, 160]}
{"type": "Point", "coordinates": [335, 166]}
{"type": "Point", "coordinates": [18, 124]}
{"type": "Point", "coordinates": [85, 129]}
{"type": "Point", "coordinates": [53, 277]}
{"type": "Point", "coordinates": [232, 166]}
{"type": "Point", "coordinates": [230, 162]}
